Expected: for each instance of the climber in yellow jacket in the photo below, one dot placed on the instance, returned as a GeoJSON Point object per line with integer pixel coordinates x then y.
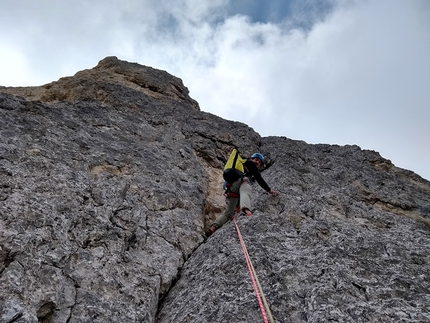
{"type": "Point", "coordinates": [239, 186]}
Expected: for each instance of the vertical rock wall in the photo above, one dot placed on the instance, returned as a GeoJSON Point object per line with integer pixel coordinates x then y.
{"type": "Point", "coordinates": [109, 178]}
{"type": "Point", "coordinates": [345, 241]}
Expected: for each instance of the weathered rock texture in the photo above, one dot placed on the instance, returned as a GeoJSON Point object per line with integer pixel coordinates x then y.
{"type": "Point", "coordinates": [109, 178]}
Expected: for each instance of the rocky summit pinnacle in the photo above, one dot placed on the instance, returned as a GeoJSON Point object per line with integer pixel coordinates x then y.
{"type": "Point", "coordinates": [109, 179]}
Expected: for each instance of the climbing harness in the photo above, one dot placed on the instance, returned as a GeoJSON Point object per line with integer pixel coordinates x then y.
{"type": "Point", "coordinates": [227, 191]}
{"type": "Point", "coordinates": [264, 306]}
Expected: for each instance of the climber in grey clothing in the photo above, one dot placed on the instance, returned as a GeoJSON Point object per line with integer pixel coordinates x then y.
{"type": "Point", "coordinates": [240, 191]}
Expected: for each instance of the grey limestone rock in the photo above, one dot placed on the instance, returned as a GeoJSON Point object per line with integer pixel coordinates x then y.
{"type": "Point", "coordinates": [109, 178]}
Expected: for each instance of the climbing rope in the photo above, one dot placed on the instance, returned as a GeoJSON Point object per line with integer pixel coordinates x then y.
{"type": "Point", "coordinates": [264, 306]}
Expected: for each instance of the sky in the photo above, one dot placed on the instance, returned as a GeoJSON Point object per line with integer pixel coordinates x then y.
{"type": "Point", "coordinates": [346, 72]}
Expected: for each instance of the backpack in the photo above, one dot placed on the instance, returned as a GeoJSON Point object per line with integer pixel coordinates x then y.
{"type": "Point", "coordinates": [233, 169]}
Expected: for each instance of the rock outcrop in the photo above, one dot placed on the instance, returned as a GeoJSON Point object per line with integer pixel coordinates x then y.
{"type": "Point", "coordinates": [109, 178]}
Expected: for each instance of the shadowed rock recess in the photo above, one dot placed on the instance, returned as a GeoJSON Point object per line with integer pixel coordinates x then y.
{"type": "Point", "coordinates": [109, 178]}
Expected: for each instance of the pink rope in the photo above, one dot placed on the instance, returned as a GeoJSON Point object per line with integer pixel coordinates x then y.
{"type": "Point", "coordinates": [248, 263]}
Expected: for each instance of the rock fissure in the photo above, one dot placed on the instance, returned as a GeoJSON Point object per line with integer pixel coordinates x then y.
{"type": "Point", "coordinates": [406, 211]}
{"type": "Point", "coordinates": [162, 296]}
{"type": "Point", "coordinates": [6, 259]}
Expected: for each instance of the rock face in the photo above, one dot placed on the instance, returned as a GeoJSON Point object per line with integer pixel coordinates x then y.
{"type": "Point", "coordinates": [110, 177]}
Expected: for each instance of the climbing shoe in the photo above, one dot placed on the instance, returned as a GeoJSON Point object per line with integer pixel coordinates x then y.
{"type": "Point", "coordinates": [210, 231]}
{"type": "Point", "coordinates": [246, 212]}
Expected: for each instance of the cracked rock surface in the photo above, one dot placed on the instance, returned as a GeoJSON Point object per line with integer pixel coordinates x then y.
{"type": "Point", "coordinates": [109, 178]}
{"type": "Point", "coordinates": [347, 240]}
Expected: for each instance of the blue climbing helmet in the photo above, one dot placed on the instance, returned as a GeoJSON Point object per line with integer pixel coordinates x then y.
{"type": "Point", "coordinates": [259, 156]}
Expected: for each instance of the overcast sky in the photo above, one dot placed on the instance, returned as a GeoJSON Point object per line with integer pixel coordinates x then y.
{"type": "Point", "coordinates": [323, 71]}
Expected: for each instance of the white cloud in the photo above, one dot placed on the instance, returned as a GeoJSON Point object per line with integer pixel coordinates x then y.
{"type": "Point", "coordinates": [358, 76]}
{"type": "Point", "coordinates": [13, 66]}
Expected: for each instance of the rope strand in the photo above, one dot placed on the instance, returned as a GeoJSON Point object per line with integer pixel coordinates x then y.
{"type": "Point", "coordinates": [264, 306]}
{"type": "Point", "coordinates": [265, 303]}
